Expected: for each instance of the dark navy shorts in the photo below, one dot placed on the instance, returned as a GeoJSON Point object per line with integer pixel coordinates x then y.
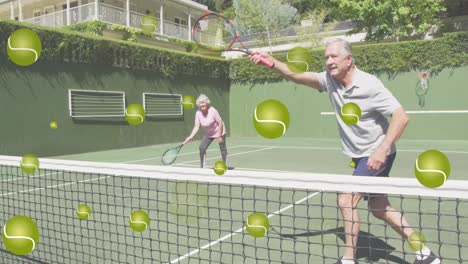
{"type": "Point", "coordinates": [362, 170]}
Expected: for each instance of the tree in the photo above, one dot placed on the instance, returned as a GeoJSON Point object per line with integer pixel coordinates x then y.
{"type": "Point", "coordinates": [216, 5]}
{"type": "Point", "coordinates": [314, 25]}
{"type": "Point", "coordinates": [392, 18]}
{"type": "Point", "coordinates": [305, 6]}
{"type": "Point", "coordinates": [269, 16]}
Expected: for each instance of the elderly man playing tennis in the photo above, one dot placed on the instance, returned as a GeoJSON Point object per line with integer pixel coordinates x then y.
{"type": "Point", "coordinates": [370, 142]}
{"type": "Point", "coordinates": [208, 117]}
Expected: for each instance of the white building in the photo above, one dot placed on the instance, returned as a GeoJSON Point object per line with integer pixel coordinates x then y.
{"type": "Point", "coordinates": [175, 17]}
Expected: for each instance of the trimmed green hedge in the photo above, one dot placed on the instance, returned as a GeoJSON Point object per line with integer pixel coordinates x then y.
{"type": "Point", "coordinates": [65, 46]}
{"type": "Point", "coordinates": [451, 50]}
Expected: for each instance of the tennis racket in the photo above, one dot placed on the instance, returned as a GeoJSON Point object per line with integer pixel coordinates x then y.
{"type": "Point", "coordinates": [217, 33]}
{"type": "Point", "coordinates": [170, 155]}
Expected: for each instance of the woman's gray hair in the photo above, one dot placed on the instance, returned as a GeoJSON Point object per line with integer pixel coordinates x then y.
{"type": "Point", "coordinates": [345, 45]}
{"type": "Point", "coordinates": [203, 99]}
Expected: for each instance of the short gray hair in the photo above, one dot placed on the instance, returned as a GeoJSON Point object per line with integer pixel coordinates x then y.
{"type": "Point", "coordinates": [344, 44]}
{"type": "Point", "coordinates": [203, 99]}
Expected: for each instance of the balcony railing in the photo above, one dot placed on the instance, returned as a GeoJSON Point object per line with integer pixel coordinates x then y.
{"type": "Point", "coordinates": [109, 14]}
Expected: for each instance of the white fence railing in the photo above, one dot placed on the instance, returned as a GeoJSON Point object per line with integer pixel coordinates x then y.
{"type": "Point", "coordinates": [112, 14]}
{"type": "Point", "coordinates": [176, 30]}
{"type": "Point", "coordinates": [108, 14]}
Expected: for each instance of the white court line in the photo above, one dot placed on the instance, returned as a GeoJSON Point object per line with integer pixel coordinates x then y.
{"type": "Point", "coordinates": [64, 184]}
{"type": "Point", "coordinates": [52, 186]}
{"type": "Point", "coordinates": [240, 230]}
{"type": "Point", "coordinates": [248, 169]}
{"type": "Point", "coordinates": [29, 177]}
{"type": "Point", "coordinates": [293, 147]}
{"type": "Point", "coordinates": [47, 174]}
{"type": "Point", "coordinates": [420, 112]}
{"type": "Point", "coordinates": [184, 154]}
{"type": "Point", "coordinates": [445, 151]}
{"type": "Point", "coordinates": [235, 154]}
{"type": "Point", "coordinates": [326, 148]}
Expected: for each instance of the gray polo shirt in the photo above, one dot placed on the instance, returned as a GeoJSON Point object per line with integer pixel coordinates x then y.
{"type": "Point", "coordinates": [376, 103]}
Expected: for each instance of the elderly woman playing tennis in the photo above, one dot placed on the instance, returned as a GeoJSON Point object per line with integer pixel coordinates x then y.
{"type": "Point", "coordinates": [208, 117]}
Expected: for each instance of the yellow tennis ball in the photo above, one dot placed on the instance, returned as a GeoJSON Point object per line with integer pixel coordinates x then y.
{"type": "Point", "coordinates": [352, 164]}
{"type": "Point", "coordinates": [135, 114]}
{"type": "Point", "coordinates": [220, 167]}
{"type": "Point", "coordinates": [432, 168]}
{"type": "Point", "coordinates": [188, 102]}
{"type": "Point", "coordinates": [53, 125]}
{"type": "Point", "coordinates": [20, 235]}
{"type": "Point", "coordinates": [416, 241]}
{"type": "Point", "coordinates": [24, 47]}
{"type": "Point", "coordinates": [298, 60]}
{"type": "Point", "coordinates": [29, 163]}
{"type": "Point", "coordinates": [83, 212]}
{"type": "Point", "coordinates": [271, 119]}
{"type": "Point", "coordinates": [350, 113]}
{"type": "Point", "coordinates": [257, 225]}
{"type": "Point", "coordinates": [139, 220]}
{"type": "Point", "coordinates": [149, 23]}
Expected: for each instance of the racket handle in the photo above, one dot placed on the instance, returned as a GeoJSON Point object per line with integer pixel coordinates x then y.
{"type": "Point", "coordinates": [264, 61]}
{"type": "Point", "coordinates": [267, 63]}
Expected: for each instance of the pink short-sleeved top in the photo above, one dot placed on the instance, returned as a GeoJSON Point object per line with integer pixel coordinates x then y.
{"type": "Point", "coordinates": [210, 122]}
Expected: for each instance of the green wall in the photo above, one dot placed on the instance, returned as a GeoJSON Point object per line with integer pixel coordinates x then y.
{"type": "Point", "coordinates": [33, 96]}
{"type": "Point", "coordinates": [448, 90]}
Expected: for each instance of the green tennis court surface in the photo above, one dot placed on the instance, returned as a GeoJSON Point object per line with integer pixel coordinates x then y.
{"type": "Point", "coordinates": [285, 154]}
{"type": "Point", "coordinates": [198, 217]}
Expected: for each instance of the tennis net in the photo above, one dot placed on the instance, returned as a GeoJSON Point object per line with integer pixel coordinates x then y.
{"type": "Point", "coordinates": [199, 217]}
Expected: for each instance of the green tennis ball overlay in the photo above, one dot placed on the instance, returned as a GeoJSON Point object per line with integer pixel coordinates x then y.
{"type": "Point", "coordinates": [135, 114]}
{"type": "Point", "coordinates": [24, 47]}
{"type": "Point", "coordinates": [352, 164]}
{"type": "Point", "coordinates": [53, 125]}
{"type": "Point", "coordinates": [257, 225]}
{"type": "Point", "coordinates": [220, 167]}
{"type": "Point", "coordinates": [188, 102]}
{"type": "Point", "coordinates": [149, 23]}
{"type": "Point", "coordinates": [20, 235]}
{"type": "Point", "coordinates": [298, 60]}
{"type": "Point", "coordinates": [29, 163]}
{"type": "Point", "coordinates": [83, 212]}
{"type": "Point", "coordinates": [432, 168]}
{"type": "Point", "coordinates": [271, 119]}
{"type": "Point", "coordinates": [350, 113]}
{"type": "Point", "coordinates": [416, 241]}
{"type": "Point", "coordinates": [139, 220]}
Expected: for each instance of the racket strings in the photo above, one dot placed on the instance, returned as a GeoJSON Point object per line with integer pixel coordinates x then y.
{"type": "Point", "coordinates": [169, 156]}
{"type": "Point", "coordinates": [214, 31]}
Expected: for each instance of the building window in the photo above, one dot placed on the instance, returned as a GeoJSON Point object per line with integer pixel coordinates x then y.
{"type": "Point", "coordinates": [72, 5]}
{"type": "Point", "coordinates": [180, 21]}
{"type": "Point", "coordinates": [37, 13]}
{"type": "Point", "coordinates": [49, 9]}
